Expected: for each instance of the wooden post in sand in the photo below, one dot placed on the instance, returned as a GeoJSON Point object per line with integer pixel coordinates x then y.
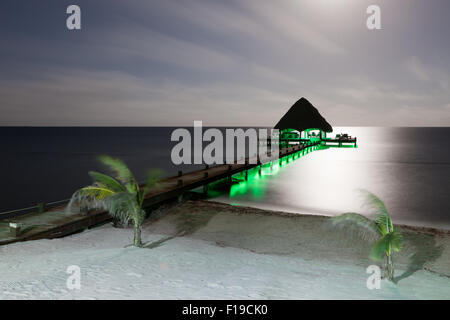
{"type": "Point", "coordinates": [14, 229]}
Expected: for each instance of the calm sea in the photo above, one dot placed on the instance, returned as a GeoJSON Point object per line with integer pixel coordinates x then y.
{"type": "Point", "coordinates": [408, 168]}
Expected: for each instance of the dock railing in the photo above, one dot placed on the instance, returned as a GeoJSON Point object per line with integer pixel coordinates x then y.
{"type": "Point", "coordinates": [40, 208]}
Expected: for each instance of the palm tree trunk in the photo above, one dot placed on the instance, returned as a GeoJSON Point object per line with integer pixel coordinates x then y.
{"type": "Point", "coordinates": [386, 267]}
{"type": "Point", "coordinates": [137, 236]}
{"type": "Point", "coordinates": [390, 268]}
{"type": "Point", "coordinates": [390, 264]}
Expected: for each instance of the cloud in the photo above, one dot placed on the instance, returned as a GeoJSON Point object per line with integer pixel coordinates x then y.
{"type": "Point", "coordinates": [112, 98]}
{"type": "Point", "coordinates": [171, 50]}
{"type": "Point", "coordinates": [81, 98]}
{"type": "Point", "coordinates": [226, 63]}
{"type": "Point", "coordinates": [284, 21]}
{"type": "Point", "coordinates": [417, 68]}
{"type": "Point", "coordinates": [426, 73]}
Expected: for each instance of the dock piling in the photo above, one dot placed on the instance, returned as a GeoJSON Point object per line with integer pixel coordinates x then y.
{"type": "Point", "coordinates": [41, 207]}
{"type": "Point", "coordinates": [14, 229]}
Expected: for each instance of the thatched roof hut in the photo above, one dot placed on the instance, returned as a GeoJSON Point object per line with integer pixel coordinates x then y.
{"type": "Point", "coordinates": [302, 116]}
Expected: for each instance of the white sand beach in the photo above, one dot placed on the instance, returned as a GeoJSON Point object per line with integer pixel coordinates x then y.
{"type": "Point", "coordinates": [206, 250]}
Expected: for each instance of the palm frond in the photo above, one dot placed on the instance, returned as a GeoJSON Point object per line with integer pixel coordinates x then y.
{"type": "Point", "coordinates": [382, 216]}
{"type": "Point", "coordinates": [122, 206]}
{"type": "Point", "coordinates": [365, 228]}
{"type": "Point", "coordinates": [118, 194]}
{"type": "Point", "coordinates": [95, 192]}
{"type": "Point", "coordinates": [380, 247]}
{"type": "Point", "coordinates": [396, 240]}
{"type": "Point", "coordinates": [122, 172]}
{"type": "Point", "coordinates": [373, 201]}
{"type": "Point", "coordinates": [104, 180]}
{"type": "Point", "coordinates": [393, 241]}
{"type": "Point", "coordinates": [90, 196]}
{"type": "Point", "coordinates": [384, 223]}
{"type": "Point", "coordinates": [152, 181]}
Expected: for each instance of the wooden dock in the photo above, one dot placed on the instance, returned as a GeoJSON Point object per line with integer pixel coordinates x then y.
{"type": "Point", "coordinates": [56, 222]}
{"type": "Point", "coordinates": [325, 141]}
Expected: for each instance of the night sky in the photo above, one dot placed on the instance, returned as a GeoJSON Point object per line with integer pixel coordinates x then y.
{"type": "Point", "coordinates": [226, 62]}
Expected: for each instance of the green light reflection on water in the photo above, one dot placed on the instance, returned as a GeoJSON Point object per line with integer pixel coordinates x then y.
{"type": "Point", "coordinates": [256, 183]}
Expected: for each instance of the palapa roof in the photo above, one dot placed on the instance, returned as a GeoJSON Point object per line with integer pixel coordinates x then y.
{"type": "Point", "coordinates": [301, 116]}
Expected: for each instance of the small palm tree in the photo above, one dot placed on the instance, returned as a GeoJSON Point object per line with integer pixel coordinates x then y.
{"type": "Point", "coordinates": [118, 194]}
{"type": "Point", "coordinates": [389, 240]}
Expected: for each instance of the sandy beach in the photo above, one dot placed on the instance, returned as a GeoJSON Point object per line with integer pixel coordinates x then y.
{"type": "Point", "coordinates": [206, 250]}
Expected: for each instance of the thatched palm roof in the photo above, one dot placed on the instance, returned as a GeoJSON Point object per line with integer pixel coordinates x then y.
{"type": "Point", "coordinates": [301, 116]}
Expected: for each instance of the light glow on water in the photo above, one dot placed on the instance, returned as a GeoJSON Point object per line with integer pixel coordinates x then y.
{"type": "Point", "coordinates": [292, 180]}
{"type": "Point", "coordinates": [327, 181]}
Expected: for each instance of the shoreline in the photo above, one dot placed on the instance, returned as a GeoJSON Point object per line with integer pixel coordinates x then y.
{"type": "Point", "coordinates": [415, 228]}
{"type": "Point", "coordinates": [200, 249]}
{"type": "Point", "coordinates": [424, 247]}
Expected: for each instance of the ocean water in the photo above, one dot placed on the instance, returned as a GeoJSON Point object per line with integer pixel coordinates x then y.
{"type": "Point", "coordinates": [408, 168]}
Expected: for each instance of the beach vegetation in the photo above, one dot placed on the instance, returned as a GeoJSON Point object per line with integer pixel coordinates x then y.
{"type": "Point", "coordinates": [387, 238]}
{"type": "Point", "coordinates": [119, 193]}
